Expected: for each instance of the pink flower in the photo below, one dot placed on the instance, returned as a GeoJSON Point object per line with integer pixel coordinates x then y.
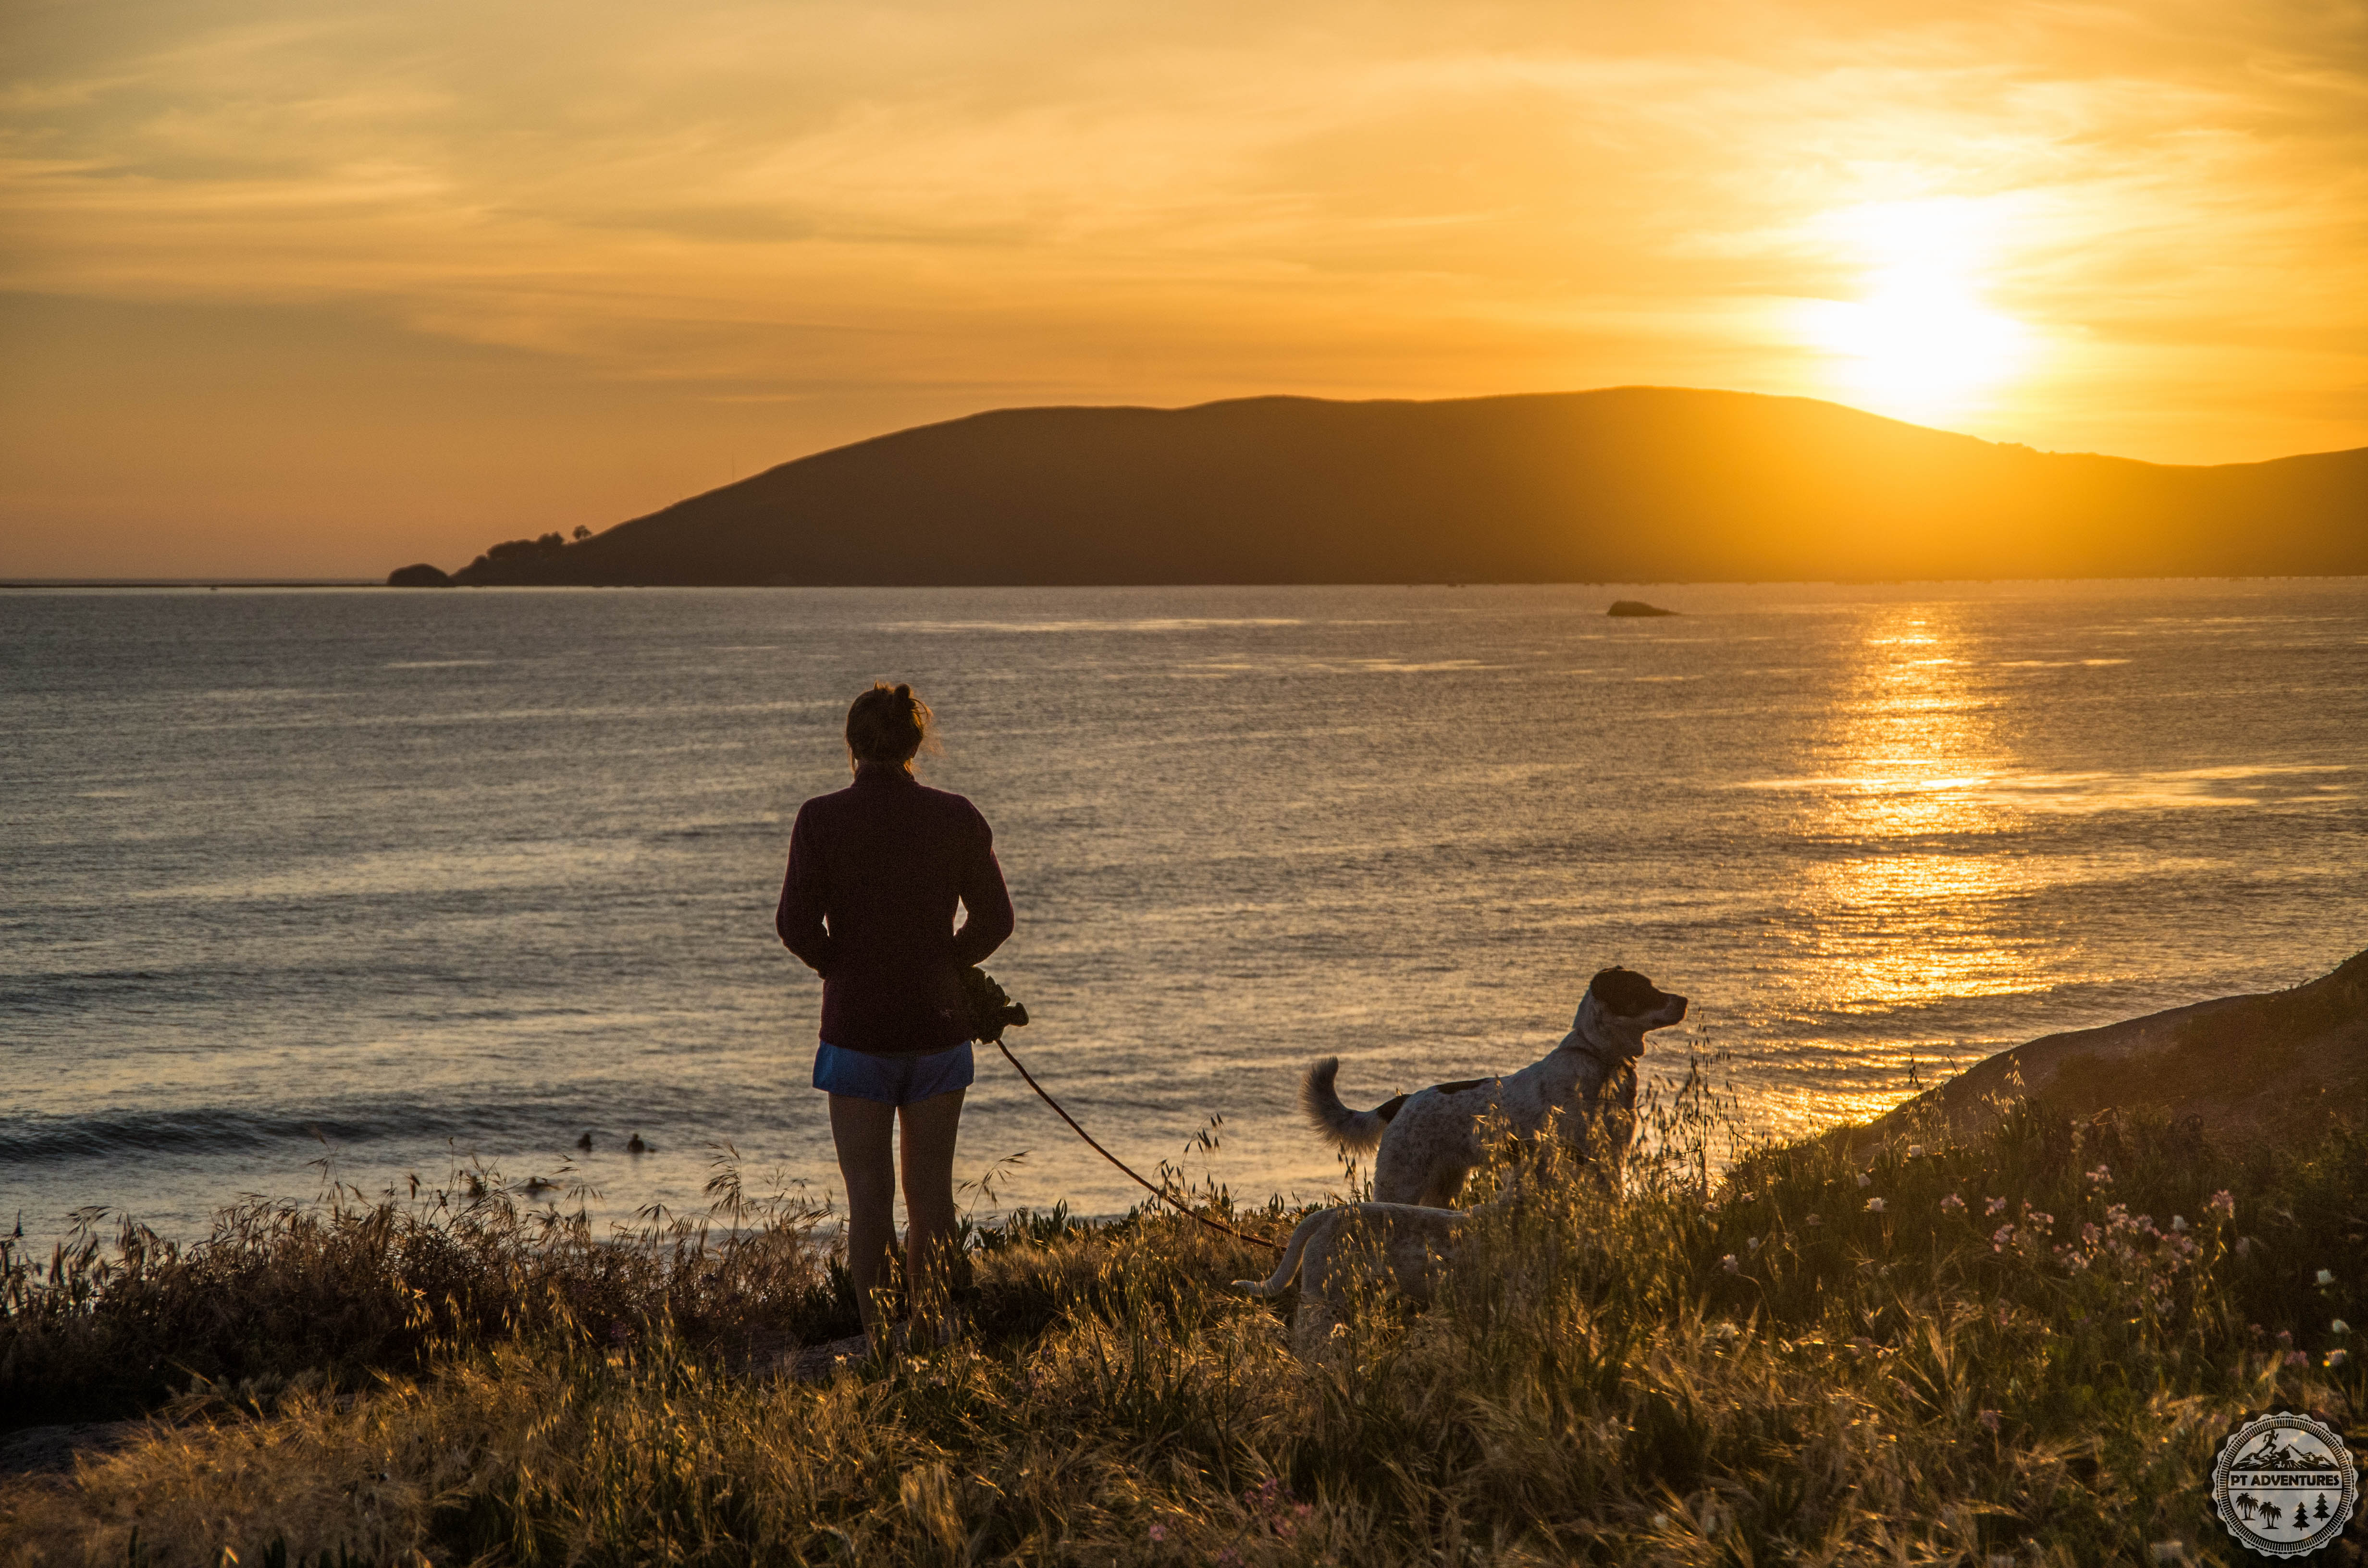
{"type": "Point", "coordinates": [2223, 1205]}
{"type": "Point", "coordinates": [1989, 1420]}
{"type": "Point", "coordinates": [2296, 1359]}
{"type": "Point", "coordinates": [2338, 1358]}
{"type": "Point", "coordinates": [1999, 1237]}
{"type": "Point", "coordinates": [1995, 1206]}
{"type": "Point", "coordinates": [1875, 1205]}
{"type": "Point", "coordinates": [1730, 1264]}
{"type": "Point", "coordinates": [1158, 1532]}
{"type": "Point", "coordinates": [2101, 1177]}
{"type": "Point", "coordinates": [1952, 1204]}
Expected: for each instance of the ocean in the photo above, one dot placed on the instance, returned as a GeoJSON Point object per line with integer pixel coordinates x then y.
{"type": "Point", "coordinates": [372, 883]}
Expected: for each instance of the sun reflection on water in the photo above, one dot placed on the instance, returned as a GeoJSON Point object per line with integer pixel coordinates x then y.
{"type": "Point", "coordinates": [1899, 919]}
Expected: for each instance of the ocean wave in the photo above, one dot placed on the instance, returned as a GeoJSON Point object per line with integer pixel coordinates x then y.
{"type": "Point", "coordinates": [37, 1140]}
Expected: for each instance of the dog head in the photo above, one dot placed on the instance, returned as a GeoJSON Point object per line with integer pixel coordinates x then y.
{"type": "Point", "coordinates": [1619, 1008]}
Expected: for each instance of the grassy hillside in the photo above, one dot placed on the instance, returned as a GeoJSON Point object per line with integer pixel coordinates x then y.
{"type": "Point", "coordinates": [2027, 1345]}
{"type": "Point", "coordinates": [1630, 484]}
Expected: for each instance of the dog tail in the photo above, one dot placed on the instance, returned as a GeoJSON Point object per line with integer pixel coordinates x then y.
{"type": "Point", "coordinates": [1352, 1132]}
{"type": "Point", "coordinates": [1280, 1280]}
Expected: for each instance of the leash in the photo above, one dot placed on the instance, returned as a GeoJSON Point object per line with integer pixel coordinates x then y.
{"type": "Point", "coordinates": [1160, 1193]}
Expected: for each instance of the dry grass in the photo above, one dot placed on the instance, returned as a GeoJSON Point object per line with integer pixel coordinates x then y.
{"type": "Point", "coordinates": [1894, 1383]}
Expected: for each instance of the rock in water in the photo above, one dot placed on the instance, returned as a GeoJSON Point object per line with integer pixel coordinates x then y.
{"type": "Point", "coordinates": [423, 575]}
{"type": "Point", "coordinates": [1636, 607]}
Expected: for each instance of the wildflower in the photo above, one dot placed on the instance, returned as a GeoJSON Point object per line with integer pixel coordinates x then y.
{"type": "Point", "coordinates": [1952, 1204]}
{"type": "Point", "coordinates": [2001, 1237]}
{"type": "Point", "coordinates": [1730, 1264]}
{"type": "Point", "coordinates": [1875, 1205]}
{"type": "Point", "coordinates": [2296, 1359]}
{"type": "Point", "coordinates": [2101, 1177]}
{"type": "Point", "coordinates": [2339, 1327]}
{"type": "Point", "coordinates": [1812, 1219]}
{"type": "Point", "coordinates": [1989, 1420]}
{"type": "Point", "coordinates": [1995, 1206]}
{"type": "Point", "coordinates": [2325, 1277]}
{"type": "Point", "coordinates": [2033, 1218]}
{"type": "Point", "coordinates": [2223, 1205]}
{"type": "Point", "coordinates": [2177, 1224]}
{"type": "Point", "coordinates": [2338, 1358]}
{"type": "Point", "coordinates": [1660, 1521]}
{"type": "Point", "coordinates": [1753, 1245]}
{"type": "Point", "coordinates": [1864, 1179]}
{"type": "Point", "coordinates": [1158, 1532]}
{"type": "Point", "coordinates": [1916, 1151]}
{"type": "Point", "coordinates": [2286, 1336]}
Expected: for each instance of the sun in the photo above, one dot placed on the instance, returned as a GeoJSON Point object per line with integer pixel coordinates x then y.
{"type": "Point", "coordinates": [1920, 343]}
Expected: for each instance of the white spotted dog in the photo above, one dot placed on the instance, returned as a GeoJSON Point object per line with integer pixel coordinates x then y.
{"type": "Point", "coordinates": [1404, 1245]}
{"type": "Point", "coordinates": [1431, 1140]}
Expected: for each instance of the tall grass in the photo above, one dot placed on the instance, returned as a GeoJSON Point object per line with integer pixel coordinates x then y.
{"type": "Point", "coordinates": [1771, 1354]}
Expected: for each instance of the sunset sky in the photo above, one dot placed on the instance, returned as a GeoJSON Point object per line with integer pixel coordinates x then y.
{"type": "Point", "coordinates": [325, 289]}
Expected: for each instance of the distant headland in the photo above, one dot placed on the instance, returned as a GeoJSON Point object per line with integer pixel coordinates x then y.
{"type": "Point", "coordinates": [1632, 484]}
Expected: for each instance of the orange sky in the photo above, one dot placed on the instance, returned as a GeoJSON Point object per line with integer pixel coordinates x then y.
{"type": "Point", "coordinates": [327, 288]}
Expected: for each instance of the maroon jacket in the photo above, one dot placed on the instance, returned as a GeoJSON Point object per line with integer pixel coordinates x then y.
{"type": "Point", "coordinates": [875, 870]}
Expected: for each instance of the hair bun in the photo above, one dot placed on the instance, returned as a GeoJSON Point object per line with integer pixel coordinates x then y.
{"type": "Point", "coordinates": [887, 724]}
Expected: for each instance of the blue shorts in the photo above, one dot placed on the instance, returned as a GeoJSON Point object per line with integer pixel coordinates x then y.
{"type": "Point", "coordinates": [893, 1080]}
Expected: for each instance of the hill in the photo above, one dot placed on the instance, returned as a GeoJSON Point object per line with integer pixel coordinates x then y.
{"type": "Point", "coordinates": [2250, 1070]}
{"type": "Point", "coordinates": [1629, 485]}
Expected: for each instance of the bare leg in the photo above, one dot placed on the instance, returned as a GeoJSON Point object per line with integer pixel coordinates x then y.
{"type": "Point", "coordinates": [928, 1147]}
{"type": "Point", "coordinates": [863, 1129]}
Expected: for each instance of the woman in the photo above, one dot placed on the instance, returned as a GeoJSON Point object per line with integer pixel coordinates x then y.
{"type": "Point", "coordinates": [876, 872]}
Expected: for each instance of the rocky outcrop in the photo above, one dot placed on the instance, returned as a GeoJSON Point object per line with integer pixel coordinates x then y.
{"type": "Point", "coordinates": [423, 575]}
{"type": "Point", "coordinates": [2244, 1069]}
{"type": "Point", "coordinates": [1636, 607]}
